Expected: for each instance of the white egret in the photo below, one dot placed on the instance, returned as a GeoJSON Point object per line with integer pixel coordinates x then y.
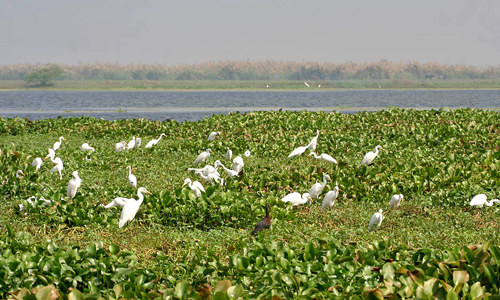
{"type": "Point", "coordinates": [229, 172]}
{"type": "Point", "coordinates": [238, 164]}
{"type": "Point", "coordinates": [37, 163]}
{"type": "Point", "coordinates": [314, 142]}
{"type": "Point", "coordinates": [317, 188]}
{"type": "Point", "coordinates": [59, 166]}
{"type": "Point", "coordinates": [396, 201]}
{"type": "Point", "coordinates": [51, 153]}
{"type": "Point", "coordinates": [132, 180]}
{"type": "Point", "coordinates": [247, 153]}
{"type": "Point", "coordinates": [19, 173]}
{"type": "Point", "coordinates": [208, 169]}
{"type": "Point", "coordinates": [296, 199]}
{"type": "Point", "coordinates": [330, 197]}
{"type": "Point", "coordinates": [298, 151]}
{"type": "Point", "coordinates": [131, 144]}
{"type": "Point", "coordinates": [212, 135]}
{"type": "Point", "coordinates": [202, 157]}
{"type": "Point", "coordinates": [324, 157]}
{"type": "Point", "coordinates": [73, 185]}
{"type": "Point", "coordinates": [306, 84]}
{"type": "Point", "coordinates": [229, 154]}
{"type": "Point", "coordinates": [211, 177]}
{"type": "Point", "coordinates": [138, 143]}
{"type": "Point", "coordinates": [131, 207]}
{"type": "Point", "coordinates": [370, 156]}
{"type": "Point", "coordinates": [32, 201]}
{"type": "Point", "coordinates": [376, 220]}
{"type": "Point", "coordinates": [117, 202]}
{"type": "Point", "coordinates": [120, 146]}
{"type": "Point", "coordinates": [86, 147]}
{"type": "Point", "coordinates": [58, 143]}
{"type": "Point", "coordinates": [480, 200]}
{"type": "Point", "coordinates": [195, 187]}
{"type": "Point", "coordinates": [154, 142]}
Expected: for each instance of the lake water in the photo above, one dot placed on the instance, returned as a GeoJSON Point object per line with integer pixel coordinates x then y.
{"type": "Point", "coordinates": [195, 105]}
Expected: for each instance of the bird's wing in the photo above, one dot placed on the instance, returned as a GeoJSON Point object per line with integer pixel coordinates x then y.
{"type": "Point", "coordinates": [297, 151]}
{"type": "Point", "coordinates": [478, 199]}
{"type": "Point", "coordinates": [368, 158]}
{"type": "Point", "coordinates": [290, 197]}
{"type": "Point", "coordinates": [201, 158]}
{"type": "Point", "coordinates": [198, 185]}
{"type": "Point", "coordinates": [150, 144]}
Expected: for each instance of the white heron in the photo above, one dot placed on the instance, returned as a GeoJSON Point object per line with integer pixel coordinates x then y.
{"type": "Point", "coordinates": [298, 151]}
{"type": "Point", "coordinates": [396, 201]}
{"type": "Point", "coordinates": [238, 164]}
{"type": "Point", "coordinates": [195, 187]}
{"type": "Point", "coordinates": [86, 147]}
{"type": "Point", "coordinates": [131, 207]}
{"type": "Point", "coordinates": [296, 199]}
{"type": "Point", "coordinates": [247, 153]}
{"type": "Point", "coordinates": [51, 153]}
{"type": "Point", "coordinates": [37, 163]}
{"type": "Point", "coordinates": [120, 146]}
{"type": "Point", "coordinates": [306, 84]}
{"type": "Point", "coordinates": [208, 169]}
{"type": "Point", "coordinates": [330, 197]}
{"type": "Point", "coordinates": [229, 154]}
{"type": "Point", "coordinates": [154, 142]}
{"type": "Point", "coordinates": [117, 202]}
{"type": "Point", "coordinates": [212, 135]}
{"type": "Point", "coordinates": [324, 156]}
{"type": "Point", "coordinates": [19, 173]}
{"type": "Point", "coordinates": [317, 188]}
{"type": "Point", "coordinates": [314, 142]}
{"type": "Point", "coordinates": [73, 185]}
{"type": "Point", "coordinates": [370, 156]}
{"type": "Point", "coordinates": [211, 177]}
{"type": "Point", "coordinates": [480, 200]}
{"type": "Point", "coordinates": [59, 166]}
{"type": "Point", "coordinates": [58, 143]}
{"type": "Point", "coordinates": [229, 172]}
{"type": "Point", "coordinates": [131, 144]}
{"type": "Point", "coordinates": [376, 220]}
{"type": "Point", "coordinates": [202, 157]}
{"type": "Point", "coordinates": [138, 142]}
{"type": "Point", "coordinates": [132, 180]}
{"type": "Point", "coordinates": [32, 201]}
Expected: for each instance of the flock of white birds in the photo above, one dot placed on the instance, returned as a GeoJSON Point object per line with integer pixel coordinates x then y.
{"type": "Point", "coordinates": [210, 173]}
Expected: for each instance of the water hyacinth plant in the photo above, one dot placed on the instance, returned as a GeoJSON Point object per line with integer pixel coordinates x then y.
{"type": "Point", "coordinates": [182, 246]}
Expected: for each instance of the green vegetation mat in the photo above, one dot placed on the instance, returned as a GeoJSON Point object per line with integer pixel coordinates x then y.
{"type": "Point", "coordinates": [178, 246]}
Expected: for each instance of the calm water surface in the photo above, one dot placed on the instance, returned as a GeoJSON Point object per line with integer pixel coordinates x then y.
{"type": "Point", "coordinates": [195, 105]}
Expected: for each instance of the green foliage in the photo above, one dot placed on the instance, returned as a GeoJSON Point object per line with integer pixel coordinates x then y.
{"type": "Point", "coordinates": [45, 75]}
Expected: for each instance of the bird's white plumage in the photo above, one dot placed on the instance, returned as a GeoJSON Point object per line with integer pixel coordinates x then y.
{"type": "Point", "coordinates": [324, 157]}
{"type": "Point", "coordinates": [57, 144]}
{"type": "Point", "coordinates": [117, 202]}
{"type": "Point", "coordinates": [131, 207]}
{"type": "Point", "coordinates": [306, 84]}
{"type": "Point", "coordinates": [229, 154]}
{"type": "Point", "coordinates": [212, 135]}
{"type": "Point", "coordinates": [330, 197]}
{"type": "Point", "coordinates": [132, 180]}
{"type": "Point", "coordinates": [195, 187]}
{"type": "Point", "coordinates": [202, 157]}
{"type": "Point", "coordinates": [37, 163]}
{"type": "Point", "coordinates": [59, 166]}
{"type": "Point", "coordinates": [86, 147]}
{"type": "Point", "coordinates": [19, 173]}
{"type": "Point", "coordinates": [138, 142]}
{"type": "Point", "coordinates": [480, 200]}
{"type": "Point", "coordinates": [120, 146]}
{"type": "Point", "coordinates": [229, 172]}
{"type": "Point", "coordinates": [370, 156]}
{"type": "Point", "coordinates": [238, 164]}
{"type": "Point", "coordinates": [73, 185]}
{"type": "Point", "coordinates": [376, 220]}
{"type": "Point", "coordinates": [396, 201]}
{"type": "Point", "coordinates": [317, 188]}
{"type": "Point", "coordinates": [296, 199]}
{"type": "Point", "coordinates": [314, 142]}
{"type": "Point", "coordinates": [154, 142]}
{"type": "Point", "coordinates": [298, 151]}
{"type": "Point", "coordinates": [131, 144]}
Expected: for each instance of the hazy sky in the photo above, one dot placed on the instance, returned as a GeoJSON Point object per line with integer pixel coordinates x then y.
{"type": "Point", "coordinates": [194, 31]}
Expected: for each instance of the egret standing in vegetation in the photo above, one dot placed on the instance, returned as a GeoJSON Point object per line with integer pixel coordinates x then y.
{"type": "Point", "coordinates": [314, 142]}
{"type": "Point", "coordinates": [229, 172]}
{"type": "Point", "coordinates": [324, 157]}
{"type": "Point", "coordinates": [296, 199]}
{"type": "Point", "coordinates": [330, 197]}
{"type": "Point", "coordinates": [298, 151]}
{"type": "Point", "coordinates": [131, 207]}
{"type": "Point", "coordinates": [229, 154]}
{"type": "Point", "coordinates": [73, 185]}
{"type": "Point", "coordinates": [117, 202]}
{"type": "Point", "coordinates": [138, 143]}
{"type": "Point", "coordinates": [37, 163]}
{"type": "Point", "coordinates": [317, 188]}
{"type": "Point", "coordinates": [480, 200]}
{"type": "Point", "coordinates": [265, 223]}
{"type": "Point", "coordinates": [396, 201]}
{"type": "Point", "coordinates": [154, 142]}
{"type": "Point", "coordinates": [238, 164]}
{"type": "Point", "coordinates": [195, 187]}
{"type": "Point", "coordinates": [370, 156]}
{"type": "Point", "coordinates": [120, 146]}
{"type": "Point", "coordinates": [59, 166]}
{"type": "Point", "coordinates": [131, 144]}
{"type": "Point", "coordinates": [132, 180]}
{"type": "Point", "coordinates": [212, 135]}
{"type": "Point", "coordinates": [376, 220]}
{"type": "Point", "coordinates": [86, 147]}
{"type": "Point", "coordinates": [202, 157]}
{"type": "Point", "coordinates": [58, 143]}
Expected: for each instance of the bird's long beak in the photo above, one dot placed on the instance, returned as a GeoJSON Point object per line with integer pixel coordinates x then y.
{"type": "Point", "coordinates": [147, 192]}
{"type": "Point", "coordinates": [312, 201]}
{"type": "Point", "coordinates": [184, 184]}
{"type": "Point", "coordinates": [23, 173]}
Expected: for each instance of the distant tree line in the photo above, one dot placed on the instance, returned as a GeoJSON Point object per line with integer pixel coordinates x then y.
{"type": "Point", "coordinates": [265, 70]}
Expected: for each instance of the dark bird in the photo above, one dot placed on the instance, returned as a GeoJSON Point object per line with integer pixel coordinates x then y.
{"type": "Point", "coordinates": [265, 223]}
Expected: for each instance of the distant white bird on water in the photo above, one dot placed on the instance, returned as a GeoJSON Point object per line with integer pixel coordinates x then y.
{"type": "Point", "coordinates": [212, 135]}
{"type": "Point", "coordinates": [376, 220]}
{"type": "Point", "coordinates": [480, 200]}
{"type": "Point", "coordinates": [154, 142]}
{"type": "Point", "coordinates": [202, 157]}
{"type": "Point", "coordinates": [396, 201]}
{"type": "Point", "coordinates": [370, 156]}
{"type": "Point", "coordinates": [58, 143]}
{"type": "Point", "coordinates": [296, 199]}
{"type": "Point", "coordinates": [324, 157]}
{"type": "Point", "coordinates": [330, 197]}
{"type": "Point", "coordinates": [306, 84]}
